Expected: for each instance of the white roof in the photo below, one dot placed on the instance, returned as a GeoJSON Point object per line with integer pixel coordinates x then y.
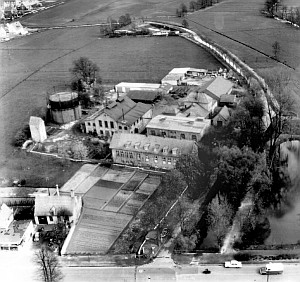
{"type": "Point", "coordinates": [142, 85]}
{"type": "Point", "coordinates": [179, 123]}
{"type": "Point", "coordinates": [179, 70]}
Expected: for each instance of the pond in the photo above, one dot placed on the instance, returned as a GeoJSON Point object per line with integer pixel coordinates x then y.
{"type": "Point", "coordinates": [285, 225]}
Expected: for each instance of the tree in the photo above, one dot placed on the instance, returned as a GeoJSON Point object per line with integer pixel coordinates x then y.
{"type": "Point", "coordinates": [185, 23]}
{"type": "Point", "coordinates": [219, 217]}
{"type": "Point", "coordinates": [79, 151]}
{"type": "Point", "coordinates": [83, 68]}
{"type": "Point", "coordinates": [48, 266]}
{"type": "Point", "coordinates": [276, 49]}
{"type": "Point", "coordinates": [279, 107]}
{"type": "Point", "coordinates": [193, 6]}
{"type": "Point", "coordinates": [124, 20]}
{"type": "Point", "coordinates": [21, 136]}
{"type": "Point", "coordinates": [183, 9]}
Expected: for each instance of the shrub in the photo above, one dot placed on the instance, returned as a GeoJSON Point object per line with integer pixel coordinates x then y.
{"type": "Point", "coordinates": [21, 136]}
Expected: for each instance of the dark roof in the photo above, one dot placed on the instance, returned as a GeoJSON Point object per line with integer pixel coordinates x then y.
{"type": "Point", "coordinates": [227, 98]}
{"type": "Point", "coordinates": [123, 110]}
{"type": "Point", "coordinates": [141, 95]}
{"type": "Point", "coordinates": [224, 113]}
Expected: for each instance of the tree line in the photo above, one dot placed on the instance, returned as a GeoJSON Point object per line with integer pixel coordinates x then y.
{"type": "Point", "coordinates": [194, 6]}
{"type": "Point", "coordinates": [273, 8]}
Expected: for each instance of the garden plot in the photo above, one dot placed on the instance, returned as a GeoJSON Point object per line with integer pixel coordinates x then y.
{"type": "Point", "coordinates": [118, 175]}
{"type": "Point", "coordinates": [97, 231]}
{"type": "Point", "coordinates": [91, 203]}
{"type": "Point", "coordinates": [78, 178]}
{"type": "Point", "coordinates": [134, 182]}
{"type": "Point", "coordinates": [108, 184]}
{"type": "Point", "coordinates": [118, 200]}
{"type": "Point", "coordinates": [87, 184]}
{"type": "Point", "coordinates": [149, 185]}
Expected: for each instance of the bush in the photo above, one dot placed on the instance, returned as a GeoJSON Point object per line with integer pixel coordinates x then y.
{"type": "Point", "coordinates": [243, 257]}
{"type": "Point", "coordinates": [21, 136]}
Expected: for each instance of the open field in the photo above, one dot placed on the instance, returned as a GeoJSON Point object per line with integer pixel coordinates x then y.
{"type": "Point", "coordinates": [291, 3]}
{"type": "Point", "coordinates": [109, 207]}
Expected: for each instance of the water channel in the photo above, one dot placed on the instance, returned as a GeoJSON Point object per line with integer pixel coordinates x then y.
{"type": "Point", "coordinates": [285, 228]}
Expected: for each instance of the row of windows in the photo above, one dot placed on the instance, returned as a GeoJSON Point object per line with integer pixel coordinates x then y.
{"type": "Point", "coordinates": [106, 125]}
{"type": "Point", "coordinates": [129, 155]}
{"type": "Point", "coordinates": [182, 135]}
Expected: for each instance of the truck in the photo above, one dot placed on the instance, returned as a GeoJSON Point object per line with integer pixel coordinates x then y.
{"type": "Point", "coordinates": [271, 268]}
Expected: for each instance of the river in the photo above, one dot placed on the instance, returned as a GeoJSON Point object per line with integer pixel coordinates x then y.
{"type": "Point", "coordinates": [285, 228]}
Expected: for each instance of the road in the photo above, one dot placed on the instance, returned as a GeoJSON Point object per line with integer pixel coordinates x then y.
{"type": "Point", "coordinates": [246, 274]}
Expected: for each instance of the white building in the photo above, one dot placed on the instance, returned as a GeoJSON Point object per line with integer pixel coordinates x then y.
{"type": "Point", "coordinates": [37, 129]}
{"type": "Point", "coordinates": [178, 127]}
{"type": "Point", "coordinates": [122, 115]}
{"type": "Point", "coordinates": [126, 87]}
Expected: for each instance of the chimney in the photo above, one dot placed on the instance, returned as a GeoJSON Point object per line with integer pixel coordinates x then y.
{"type": "Point", "coordinates": [57, 190]}
{"type": "Point", "coordinates": [72, 193]}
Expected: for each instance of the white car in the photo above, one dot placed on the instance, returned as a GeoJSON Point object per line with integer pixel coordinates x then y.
{"type": "Point", "coordinates": [233, 264]}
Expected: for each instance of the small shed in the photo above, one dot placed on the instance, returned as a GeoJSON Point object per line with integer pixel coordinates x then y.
{"type": "Point", "coordinates": [37, 129]}
{"type": "Point", "coordinates": [222, 117]}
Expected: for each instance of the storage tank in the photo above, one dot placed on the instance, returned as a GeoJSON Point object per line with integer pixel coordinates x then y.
{"type": "Point", "coordinates": [64, 106]}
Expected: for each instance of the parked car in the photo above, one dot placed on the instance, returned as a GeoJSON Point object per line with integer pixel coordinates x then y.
{"type": "Point", "coordinates": [206, 271]}
{"type": "Point", "coordinates": [233, 264]}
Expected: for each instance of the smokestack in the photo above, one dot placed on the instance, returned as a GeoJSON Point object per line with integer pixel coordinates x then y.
{"type": "Point", "coordinates": [57, 190]}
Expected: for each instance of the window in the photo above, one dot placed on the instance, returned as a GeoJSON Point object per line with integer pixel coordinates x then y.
{"type": "Point", "coordinates": [100, 123]}
{"type": "Point", "coordinates": [50, 218]}
{"type": "Point", "coordinates": [117, 153]}
{"type": "Point", "coordinates": [182, 136]}
{"type": "Point", "coordinates": [152, 132]}
{"type": "Point", "coordinates": [219, 123]}
{"type": "Point", "coordinates": [94, 124]}
{"type": "Point", "coordinates": [106, 124]}
{"type": "Point", "coordinates": [163, 134]}
{"type": "Point", "coordinates": [120, 127]}
{"type": "Point", "coordinates": [125, 128]}
{"type": "Point", "coordinates": [155, 159]}
{"type": "Point", "coordinates": [164, 160]}
{"type": "Point", "coordinates": [101, 132]}
{"type": "Point", "coordinates": [169, 160]}
{"type": "Point", "coordinates": [112, 124]}
{"type": "Point", "coordinates": [138, 156]}
{"type": "Point", "coordinates": [147, 158]}
{"type": "Point", "coordinates": [130, 155]}
{"type": "Point", "coordinates": [122, 154]}
{"type": "Point", "coordinates": [89, 123]}
{"type": "Point", "coordinates": [194, 137]}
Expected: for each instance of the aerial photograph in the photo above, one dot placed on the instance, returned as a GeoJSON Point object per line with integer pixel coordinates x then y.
{"type": "Point", "coordinates": [149, 140]}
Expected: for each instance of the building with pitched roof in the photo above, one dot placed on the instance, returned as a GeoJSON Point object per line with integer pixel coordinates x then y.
{"type": "Point", "coordinates": [149, 151]}
{"type": "Point", "coordinates": [222, 117]}
{"type": "Point", "coordinates": [217, 87]}
{"type": "Point", "coordinates": [51, 209]}
{"type": "Point", "coordinates": [143, 96]}
{"type": "Point", "coordinates": [122, 115]}
{"type": "Point", "coordinates": [228, 100]}
{"type": "Point", "coordinates": [188, 128]}
{"type": "Point", "coordinates": [125, 87]}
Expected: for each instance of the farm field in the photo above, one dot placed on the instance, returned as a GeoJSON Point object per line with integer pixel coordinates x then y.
{"type": "Point", "coordinates": [108, 206]}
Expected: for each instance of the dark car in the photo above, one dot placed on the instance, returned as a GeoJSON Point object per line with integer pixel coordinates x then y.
{"type": "Point", "coordinates": [206, 271]}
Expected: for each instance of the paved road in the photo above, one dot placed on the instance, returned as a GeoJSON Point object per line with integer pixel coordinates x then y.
{"type": "Point", "coordinates": [246, 274]}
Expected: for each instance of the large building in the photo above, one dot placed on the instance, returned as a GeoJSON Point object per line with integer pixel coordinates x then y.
{"type": "Point", "coordinates": [149, 151]}
{"type": "Point", "coordinates": [125, 87]}
{"type": "Point", "coordinates": [122, 115]}
{"type": "Point", "coordinates": [217, 87]}
{"type": "Point", "coordinates": [178, 127]}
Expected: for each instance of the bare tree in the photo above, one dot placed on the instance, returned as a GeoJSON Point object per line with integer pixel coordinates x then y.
{"type": "Point", "coordinates": [220, 215]}
{"type": "Point", "coordinates": [276, 49]}
{"type": "Point", "coordinates": [79, 150]}
{"type": "Point", "coordinates": [48, 266]}
{"type": "Point", "coordinates": [83, 68]}
{"type": "Point", "coordinates": [279, 107]}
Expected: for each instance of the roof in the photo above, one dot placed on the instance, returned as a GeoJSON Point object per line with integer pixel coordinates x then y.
{"type": "Point", "coordinates": [167, 87]}
{"type": "Point", "coordinates": [196, 110]}
{"type": "Point", "coordinates": [197, 70]}
{"type": "Point", "coordinates": [227, 98]}
{"type": "Point", "coordinates": [63, 96]}
{"type": "Point", "coordinates": [198, 97]}
{"type": "Point", "coordinates": [179, 70]}
{"type": "Point", "coordinates": [35, 121]}
{"type": "Point", "coordinates": [142, 95]}
{"type": "Point", "coordinates": [183, 124]}
{"type": "Point", "coordinates": [5, 212]}
{"type": "Point", "coordinates": [138, 85]}
{"type": "Point", "coordinates": [224, 113]}
{"type": "Point", "coordinates": [217, 87]}
{"type": "Point", "coordinates": [44, 204]}
{"type": "Point", "coordinates": [14, 233]}
{"type": "Point", "coordinates": [123, 110]}
{"type": "Point", "coordinates": [137, 142]}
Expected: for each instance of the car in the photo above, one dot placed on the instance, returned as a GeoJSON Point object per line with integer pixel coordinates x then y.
{"type": "Point", "coordinates": [233, 264]}
{"type": "Point", "coordinates": [206, 271]}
